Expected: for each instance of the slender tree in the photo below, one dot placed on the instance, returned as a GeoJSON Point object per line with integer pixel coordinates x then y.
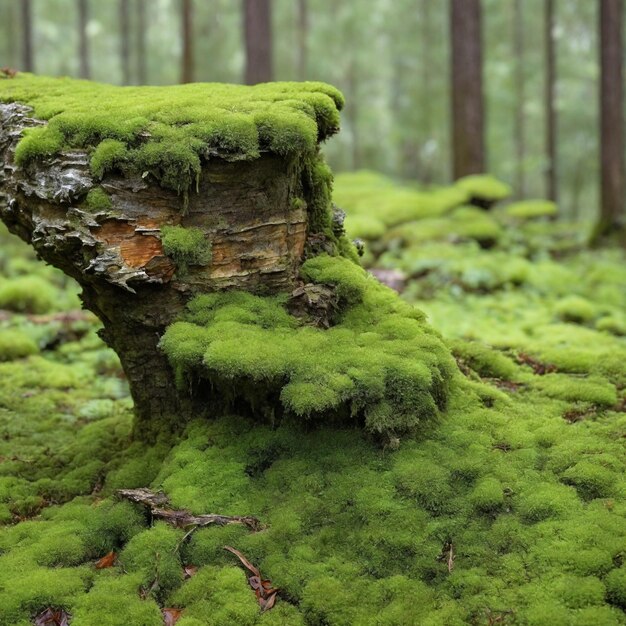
{"type": "Point", "coordinates": [426, 97]}
{"type": "Point", "coordinates": [258, 39]}
{"type": "Point", "coordinates": [303, 38]}
{"type": "Point", "coordinates": [612, 182]}
{"type": "Point", "coordinates": [142, 29]}
{"type": "Point", "coordinates": [187, 68]}
{"type": "Point", "coordinates": [28, 55]}
{"type": "Point", "coordinates": [83, 41]}
{"type": "Point", "coordinates": [467, 88]}
{"type": "Point", "coordinates": [125, 40]}
{"type": "Point", "coordinates": [520, 96]}
{"type": "Point", "coordinates": [550, 104]}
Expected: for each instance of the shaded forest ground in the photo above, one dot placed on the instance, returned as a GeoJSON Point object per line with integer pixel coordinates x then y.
{"type": "Point", "coordinates": [509, 510]}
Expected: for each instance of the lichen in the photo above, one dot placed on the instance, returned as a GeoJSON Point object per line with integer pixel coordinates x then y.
{"type": "Point", "coordinates": [167, 131]}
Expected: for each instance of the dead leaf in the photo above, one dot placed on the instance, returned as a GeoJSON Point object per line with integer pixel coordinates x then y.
{"type": "Point", "coordinates": [263, 589]}
{"type": "Point", "coordinates": [106, 561]}
{"type": "Point", "coordinates": [7, 72]}
{"type": "Point", "coordinates": [171, 616]}
{"type": "Point", "coordinates": [539, 368]}
{"type": "Point", "coordinates": [189, 571]}
{"type": "Point", "coordinates": [52, 617]}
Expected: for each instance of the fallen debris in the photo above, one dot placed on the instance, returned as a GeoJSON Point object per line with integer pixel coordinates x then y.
{"type": "Point", "coordinates": [181, 518]}
{"type": "Point", "coordinates": [171, 616]}
{"type": "Point", "coordinates": [106, 561]}
{"type": "Point", "coordinates": [52, 617]}
{"type": "Point", "coordinates": [265, 593]}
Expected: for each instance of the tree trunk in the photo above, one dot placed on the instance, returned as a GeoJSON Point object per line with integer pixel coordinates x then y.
{"type": "Point", "coordinates": [550, 107]}
{"type": "Point", "coordinates": [142, 27]}
{"type": "Point", "coordinates": [257, 235]}
{"type": "Point", "coordinates": [125, 41]}
{"type": "Point", "coordinates": [520, 99]}
{"type": "Point", "coordinates": [426, 168]}
{"type": "Point", "coordinates": [467, 88]}
{"type": "Point", "coordinates": [612, 187]}
{"type": "Point", "coordinates": [28, 57]}
{"type": "Point", "coordinates": [187, 69]}
{"type": "Point", "coordinates": [258, 40]}
{"type": "Point", "coordinates": [303, 39]}
{"type": "Point", "coordinates": [83, 41]}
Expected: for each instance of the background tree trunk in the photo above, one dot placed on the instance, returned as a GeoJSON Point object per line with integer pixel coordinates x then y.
{"type": "Point", "coordinates": [612, 187]}
{"type": "Point", "coordinates": [83, 40]}
{"type": "Point", "coordinates": [550, 106]}
{"type": "Point", "coordinates": [426, 174]}
{"type": "Point", "coordinates": [467, 88]}
{"type": "Point", "coordinates": [303, 39]}
{"type": "Point", "coordinates": [28, 56]}
{"type": "Point", "coordinates": [520, 96]}
{"type": "Point", "coordinates": [142, 28]}
{"type": "Point", "coordinates": [187, 69]}
{"type": "Point", "coordinates": [125, 41]}
{"type": "Point", "coordinates": [258, 40]}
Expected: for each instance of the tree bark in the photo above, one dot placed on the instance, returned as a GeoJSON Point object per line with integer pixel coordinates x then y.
{"type": "Point", "coordinates": [520, 99]}
{"type": "Point", "coordinates": [425, 100]}
{"type": "Point", "coordinates": [142, 28]}
{"type": "Point", "coordinates": [28, 56]}
{"type": "Point", "coordinates": [258, 41]}
{"type": "Point", "coordinates": [612, 186]}
{"type": "Point", "coordinates": [83, 40]}
{"type": "Point", "coordinates": [124, 16]}
{"type": "Point", "coordinates": [467, 88]}
{"type": "Point", "coordinates": [247, 211]}
{"type": "Point", "coordinates": [550, 106]}
{"type": "Point", "coordinates": [303, 39]}
{"type": "Point", "coordinates": [187, 68]}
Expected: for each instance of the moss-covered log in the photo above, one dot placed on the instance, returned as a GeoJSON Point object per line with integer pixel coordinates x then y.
{"type": "Point", "coordinates": [151, 197]}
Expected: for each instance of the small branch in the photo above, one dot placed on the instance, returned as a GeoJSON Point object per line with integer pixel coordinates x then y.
{"type": "Point", "coordinates": [180, 518]}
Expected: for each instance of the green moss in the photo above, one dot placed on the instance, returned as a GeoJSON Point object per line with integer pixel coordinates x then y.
{"type": "Point", "coordinates": [484, 187]}
{"type": "Point", "coordinates": [166, 131]}
{"type": "Point", "coordinates": [27, 295]}
{"type": "Point", "coordinates": [531, 209]}
{"type": "Point", "coordinates": [15, 344]}
{"type": "Point", "coordinates": [616, 587]}
{"type": "Point", "coordinates": [98, 200]}
{"type": "Point", "coordinates": [379, 362]}
{"type": "Point", "coordinates": [186, 246]}
{"type": "Point", "coordinates": [484, 360]}
{"type": "Point", "coordinates": [487, 496]}
{"type": "Point", "coordinates": [575, 309]}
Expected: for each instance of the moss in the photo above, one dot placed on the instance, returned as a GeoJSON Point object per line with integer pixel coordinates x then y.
{"type": "Point", "coordinates": [575, 309]}
{"type": "Point", "coordinates": [15, 344]}
{"type": "Point", "coordinates": [484, 360]}
{"type": "Point", "coordinates": [166, 131]}
{"type": "Point", "coordinates": [531, 209]}
{"type": "Point", "coordinates": [27, 295]}
{"type": "Point", "coordinates": [616, 587]}
{"type": "Point", "coordinates": [186, 246]}
{"type": "Point", "coordinates": [98, 200]}
{"type": "Point", "coordinates": [487, 496]}
{"type": "Point", "coordinates": [484, 187]}
{"type": "Point", "coordinates": [379, 362]}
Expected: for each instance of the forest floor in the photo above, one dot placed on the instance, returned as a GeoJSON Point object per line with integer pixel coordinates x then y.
{"type": "Point", "coordinates": [510, 509]}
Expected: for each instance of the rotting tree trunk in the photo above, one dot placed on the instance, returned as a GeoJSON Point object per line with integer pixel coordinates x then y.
{"type": "Point", "coordinates": [550, 105]}
{"type": "Point", "coordinates": [245, 208]}
{"type": "Point", "coordinates": [468, 143]}
{"type": "Point", "coordinates": [187, 67]}
{"type": "Point", "coordinates": [612, 182]}
{"type": "Point", "coordinates": [258, 40]}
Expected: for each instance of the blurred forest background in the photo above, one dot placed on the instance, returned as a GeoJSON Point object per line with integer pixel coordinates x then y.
{"type": "Point", "coordinates": [391, 58]}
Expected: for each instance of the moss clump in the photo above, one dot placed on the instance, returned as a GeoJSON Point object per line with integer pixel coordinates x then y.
{"type": "Point", "coordinates": [186, 246]}
{"type": "Point", "coordinates": [29, 294]}
{"type": "Point", "coordinates": [98, 200]}
{"type": "Point", "coordinates": [616, 587]}
{"type": "Point", "coordinates": [167, 131]}
{"type": "Point", "coordinates": [15, 344]}
{"type": "Point", "coordinates": [575, 309]}
{"type": "Point", "coordinates": [484, 187]}
{"type": "Point", "coordinates": [531, 209]}
{"type": "Point", "coordinates": [379, 362]}
{"type": "Point", "coordinates": [484, 360]}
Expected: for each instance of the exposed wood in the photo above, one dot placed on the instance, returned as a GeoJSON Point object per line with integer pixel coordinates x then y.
{"type": "Point", "coordinates": [550, 104]}
{"type": "Point", "coordinates": [157, 503]}
{"type": "Point", "coordinates": [612, 183]}
{"type": "Point", "coordinates": [187, 67]}
{"type": "Point", "coordinates": [28, 54]}
{"type": "Point", "coordinates": [124, 18]}
{"type": "Point", "coordinates": [258, 41]}
{"type": "Point", "coordinates": [468, 144]}
{"type": "Point", "coordinates": [83, 39]}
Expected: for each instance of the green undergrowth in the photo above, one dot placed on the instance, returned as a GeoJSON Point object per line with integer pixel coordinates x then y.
{"type": "Point", "coordinates": [509, 508]}
{"type": "Point", "coordinates": [168, 131]}
{"type": "Point", "coordinates": [378, 363]}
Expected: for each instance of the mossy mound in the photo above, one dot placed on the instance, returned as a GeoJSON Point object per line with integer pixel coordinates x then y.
{"type": "Point", "coordinates": [531, 209]}
{"type": "Point", "coordinates": [484, 187]}
{"type": "Point", "coordinates": [379, 363]}
{"type": "Point", "coordinates": [167, 131]}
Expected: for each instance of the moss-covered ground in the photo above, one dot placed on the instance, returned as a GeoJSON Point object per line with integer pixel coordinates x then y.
{"type": "Point", "coordinates": [509, 508]}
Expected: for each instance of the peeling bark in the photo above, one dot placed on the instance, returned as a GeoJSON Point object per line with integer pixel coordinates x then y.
{"type": "Point", "coordinates": [247, 211]}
